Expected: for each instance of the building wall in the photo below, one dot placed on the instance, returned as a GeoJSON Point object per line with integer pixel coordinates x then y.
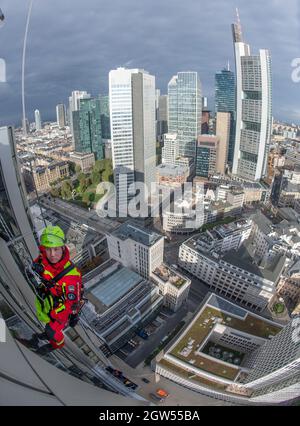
{"type": "Point", "coordinates": [185, 110]}
{"type": "Point", "coordinates": [254, 112]}
{"type": "Point", "coordinates": [143, 110]}
{"type": "Point", "coordinates": [170, 150]}
{"type": "Point", "coordinates": [223, 132]}
{"type": "Point", "coordinates": [133, 255]}
{"type": "Point", "coordinates": [227, 280]}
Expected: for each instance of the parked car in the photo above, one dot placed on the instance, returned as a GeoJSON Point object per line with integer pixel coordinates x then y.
{"type": "Point", "coordinates": [142, 334]}
{"type": "Point", "coordinates": [162, 393]}
{"type": "Point", "coordinates": [155, 397]}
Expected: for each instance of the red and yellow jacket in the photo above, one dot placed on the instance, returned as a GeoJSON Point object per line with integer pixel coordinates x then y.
{"type": "Point", "coordinates": [67, 292]}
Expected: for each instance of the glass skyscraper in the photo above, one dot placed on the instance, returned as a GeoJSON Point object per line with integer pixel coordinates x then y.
{"type": "Point", "coordinates": [253, 109]}
{"type": "Point", "coordinates": [105, 117]}
{"type": "Point", "coordinates": [202, 161]}
{"type": "Point", "coordinates": [225, 102]}
{"type": "Point", "coordinates": [185, 111]}
{"type": "Point", "coordinates": [87, 128]}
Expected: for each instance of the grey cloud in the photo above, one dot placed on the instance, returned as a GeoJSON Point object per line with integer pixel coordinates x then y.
{"type": "Point", "coordinates": [73, 44]}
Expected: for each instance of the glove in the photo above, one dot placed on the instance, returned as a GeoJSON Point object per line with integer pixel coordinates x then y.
{"type": "Point", "coordinates": [73, 321]}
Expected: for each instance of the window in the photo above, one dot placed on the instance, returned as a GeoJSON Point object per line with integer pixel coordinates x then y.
{"type": "Point", "coordinates": [8, 222]}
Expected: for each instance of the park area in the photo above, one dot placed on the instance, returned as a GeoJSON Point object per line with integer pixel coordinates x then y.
{"type": "Point", "coordinates": [81, 188]}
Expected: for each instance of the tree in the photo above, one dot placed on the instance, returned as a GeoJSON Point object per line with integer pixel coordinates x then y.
{"type": "Point", "coordinates": [80, 176]}
{"type": "Point", "coordinates": [72, 167]}
{"type": "Point", "coordinates": [78, 169]}
{"type": "Point", "coordinates": [55, 192]}
{"type": "Point", "coordinates": [107, 176]}
{"type": "Point", "coordinates": [87, 198]}
{"type": "Point", "coordinates": [99, 166]}
{"type": "Point", "coordinates": [66, 189]}
{"type": "Point", "coordinates": [96, 177]}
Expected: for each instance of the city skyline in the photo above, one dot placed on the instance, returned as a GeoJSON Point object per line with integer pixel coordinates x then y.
{"type": "Point", "coordinates": [73, 61]}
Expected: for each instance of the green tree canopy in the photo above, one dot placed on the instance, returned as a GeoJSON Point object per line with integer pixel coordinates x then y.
{"type": "Point", "coordinates": [66, 189]}
{"type": "Point", "coordinates": [99, 166]}
{"type": "Point", "coordinates": [82, 184]}
{"type": "Point", "coordinates": [78, 169]}
{"type": "Point", "coordinates": [96, 177]}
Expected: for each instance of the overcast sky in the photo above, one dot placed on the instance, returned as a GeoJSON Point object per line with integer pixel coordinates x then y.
{"type": "Point", "coordinates": [73, 44]}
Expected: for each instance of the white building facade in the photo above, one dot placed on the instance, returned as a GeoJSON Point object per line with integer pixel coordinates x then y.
{"type": "Point", "coordinates": [132, 119]}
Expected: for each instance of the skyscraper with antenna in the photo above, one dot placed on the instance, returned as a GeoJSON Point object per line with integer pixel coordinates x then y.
{"type": "Point", "coordinates": [253, 108]}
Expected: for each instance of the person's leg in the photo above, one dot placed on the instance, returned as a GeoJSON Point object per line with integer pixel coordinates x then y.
{"type": "Point", "coordinates": [45, 349]}
{"type": "Point", "coordinates": [54, 332]}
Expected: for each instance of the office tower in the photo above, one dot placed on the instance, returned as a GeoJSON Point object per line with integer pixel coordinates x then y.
{"type": "Point", "coordinates": [25, 126]}
{"type": "Point", "coordinates": [105, 120]}
{"type": "Point", "coordinates": [136, 248]}
{"type": "Point", "coordinates": [207, 157]}
{"type": "Point", "coordinates": [74, 100]}
{"type": "Point", "coordinates": [253, 109]}
{"type": "Point", "coordinates": [162, 115]}
{"type": "Point", "coordinates": [38, 121]}
{"type": "Point", "coordinates": [170, 151]}
{"type": "Point", "coordinates": [205, 117]}
{"type": "Point", "coordinates": [275, 367]}
{"type": "Point", "coordinates": [161, 105]}
{"type": "Point", "coordinates": [185, 110]}
{"type": "Point", "coordinates": [132, 117]}
{"type": "Point", "coordinates": [157, 95]}
{"type": "Point", "coordinates": [27, 378]}
{"type": "Point", "coordinates": [223, 123]}
{"type": "Point", "coordinates": [87, 128]}
{"type": "Point", "coordinates": [61, 115]}
{"type": "Point", "coordinates": [225, 102]}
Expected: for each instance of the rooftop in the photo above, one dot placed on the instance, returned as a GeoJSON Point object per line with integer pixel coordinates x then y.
{"type": "Point", "coordinates": [217, 310]}
{"type": "Point", "coordinates": [263, 223]}
{"type": "Point", "coordinates": [172, 170]}
{"type": "Point", "coordinates": [134, 232]}
{"type": "Point", "coordinates": [244, 258]}
{"type": "Point", "coordinates": [113, 287]}
{"type": "Point", "coordinates": [167, 274]}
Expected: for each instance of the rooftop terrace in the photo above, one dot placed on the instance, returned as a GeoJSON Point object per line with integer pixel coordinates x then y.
{"type": "Point", "coordinates": [169, 275]}
{"type": "Point", "coordinates": [218, 310]}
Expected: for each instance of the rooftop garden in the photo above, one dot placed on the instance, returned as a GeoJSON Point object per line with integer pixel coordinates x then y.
{"type": "Point", "coordinates": [191, 376]}
{"type": "Point", "coordinates": [207, 226]}
{"type": "Point", "coordinates": [278, 308]}
{"type": "Point", "coordinates": [187, 349]}
{"type": "Point", "coordinates": [179, 282]}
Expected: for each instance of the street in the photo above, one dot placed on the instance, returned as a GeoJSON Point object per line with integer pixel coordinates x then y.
{"type": "Point", "coordinates": [178, 395]}
{"type": "Point", "coordinates": [146, 347]}
{"type": "Point", "coordinates": [78, 214]}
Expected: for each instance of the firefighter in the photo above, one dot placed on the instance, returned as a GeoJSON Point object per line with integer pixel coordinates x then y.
{"type": "Point", "coordinates": [61, 291]}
